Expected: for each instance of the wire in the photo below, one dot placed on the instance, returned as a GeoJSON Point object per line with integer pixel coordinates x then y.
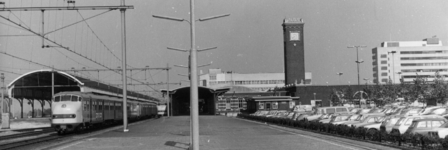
{"type": "Point", "coordinates": [107, 48]}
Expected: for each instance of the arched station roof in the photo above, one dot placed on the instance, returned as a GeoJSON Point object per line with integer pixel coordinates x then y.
{"type": "Point", "coordinates": [201, 89]}
{"type": "Point", "coordinates": [37, 85]}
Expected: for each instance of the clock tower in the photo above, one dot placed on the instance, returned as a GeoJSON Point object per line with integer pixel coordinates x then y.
{"type": "Point", "coordinates": [294, 50]}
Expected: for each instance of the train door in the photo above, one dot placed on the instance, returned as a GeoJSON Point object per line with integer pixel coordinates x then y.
{"type": "Point", "coordinates": [85, 109]}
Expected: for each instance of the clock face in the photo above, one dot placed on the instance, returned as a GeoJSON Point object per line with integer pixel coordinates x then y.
{"type": "Point", "coordinates": [294, 36]}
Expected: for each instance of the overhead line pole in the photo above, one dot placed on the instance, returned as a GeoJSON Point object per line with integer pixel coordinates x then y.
{"type": "Point", "coordinates": [168, 89]}
{"type": "Point", "coordinates": [194, 83]}
{"type": "Point", "coordinates": [123, 46]}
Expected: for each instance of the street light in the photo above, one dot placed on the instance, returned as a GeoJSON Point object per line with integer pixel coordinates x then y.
{"type": "Point", "coordinates": [367, 80]}
{"type": "Point", "coordinates": [357, 60]}
{"type": "Point", "coordinates": [339, 79]}
{"type": "Point", "coordinates": [193, 71]}
{"type": "Point", "coordinates": [393, 64]}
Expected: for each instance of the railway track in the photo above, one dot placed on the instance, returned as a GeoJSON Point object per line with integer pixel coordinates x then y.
{"type": "Point", "coordinates": [22, 143]}
{"type": "Point", "coordinates": [27, 137]}
{"type": "Point", "coordinates": [26, 132]}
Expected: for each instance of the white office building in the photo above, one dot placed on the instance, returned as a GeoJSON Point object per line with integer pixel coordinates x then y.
{"type": "Point", "coordinates": [405, 60]}
{"type": "Point", "coordinates": [257, 82]}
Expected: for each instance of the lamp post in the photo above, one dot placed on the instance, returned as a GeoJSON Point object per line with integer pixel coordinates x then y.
{"type": "Point", "coordinates": [366, 80]}
{"type": "Point", "coordinates": [193, 73]}
{"type": "Point", "coordinates": [393, 64]}
{"type": "Point", "coordinates": [339, 79]}
{"type": "Point", "coordinates": [357, 60]}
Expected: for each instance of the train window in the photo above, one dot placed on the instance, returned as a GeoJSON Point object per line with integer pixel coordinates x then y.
{"type": "Point", "coordinates": [57, 99]}
{"type": "Point", "coordinates": [74, 98]}
{"type": "Point", "coordinates": [80, 99]}
{"type": "Point", "coordinates": [66, 98]}
{"type": "Point", "coordinates": [100, 106]}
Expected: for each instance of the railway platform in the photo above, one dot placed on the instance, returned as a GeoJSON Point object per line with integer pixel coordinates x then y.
{"type": "Point", "coordinates": [216, 132]}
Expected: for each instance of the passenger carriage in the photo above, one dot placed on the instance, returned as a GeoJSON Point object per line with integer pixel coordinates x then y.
{"type": "Point", "coordinates": [79, 110]}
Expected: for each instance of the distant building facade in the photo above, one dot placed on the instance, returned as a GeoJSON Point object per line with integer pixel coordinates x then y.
{"type": "Point", "coordinates": [405, 60]}
{"type": "Point", "coordinates": [256, 82]}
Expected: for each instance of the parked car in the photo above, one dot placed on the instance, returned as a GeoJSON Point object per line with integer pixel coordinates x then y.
{"type": "Point", "coordinates": [332, 110]}
{"type": "Point", "coordinates": [438, 111]}
{"type": "Point", "coordinates": [388, 124]}
{"type": "Point", "coordinates": [440, 132]}
{"type": "Point", "coordinates": [373, 125]}
{"type": "Point", "coordinates": [365, 121]}
{"type": "Point", "coordinates": [428, 110]}
{"type": "Point", "coordinates": [325, 118]}
{"type": "Point", "coordinates": [355, 117]}
{"type": "Point", "coordinates": [363, 111]}
{"type": "Point", "coordinates": [341, 117]}
{"type": "Point", "coordinates": [404, 122]}
{"type": "Point", "coordinates": [423, 126]}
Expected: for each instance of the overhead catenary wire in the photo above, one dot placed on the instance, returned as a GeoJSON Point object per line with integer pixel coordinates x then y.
{"type": "Point", "coordinates": [24, 26]}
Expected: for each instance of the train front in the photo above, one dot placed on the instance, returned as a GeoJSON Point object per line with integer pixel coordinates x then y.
{"type": "Point", "coordinates": [67, 112]}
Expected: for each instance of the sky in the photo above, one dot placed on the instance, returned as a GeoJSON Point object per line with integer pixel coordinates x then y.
{"type": "Point", "coordinates": [250, 40]}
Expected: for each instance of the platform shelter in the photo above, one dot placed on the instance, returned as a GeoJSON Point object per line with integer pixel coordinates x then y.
{"type": "Point", "coordinates": [208, 98]}
{"type": "Point", "coordinates": [40, 85]}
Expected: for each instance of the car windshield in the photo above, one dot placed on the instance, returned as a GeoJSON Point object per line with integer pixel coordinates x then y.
{"type": "Point", "coordinates": [400, 121]}
{"type": "Point", "coordinates": [353, 117]}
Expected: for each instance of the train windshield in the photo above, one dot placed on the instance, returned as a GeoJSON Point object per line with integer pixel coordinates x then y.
{"type": "Point", "coordinates": [57, 99]}
{"type": "Point", "coordinates": [72, 98]}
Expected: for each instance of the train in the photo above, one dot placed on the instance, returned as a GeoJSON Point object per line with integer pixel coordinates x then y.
{"type": "Point", "coordinates": [73, 111]}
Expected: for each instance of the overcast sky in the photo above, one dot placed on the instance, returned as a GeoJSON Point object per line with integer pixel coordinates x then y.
{"type": "Point", "coordinates": [249, 40]}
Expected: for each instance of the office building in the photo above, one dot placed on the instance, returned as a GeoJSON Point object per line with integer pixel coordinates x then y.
{"type": "Point", "coordinates": [405, 60]}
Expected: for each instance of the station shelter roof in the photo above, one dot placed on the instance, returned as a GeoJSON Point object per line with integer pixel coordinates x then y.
{"type": "Point", "coordinates": [201, 89]}
{"type": "Point", "coordinates": [37, 85]}
{"type": "Point", "coordinates": [273, 98]}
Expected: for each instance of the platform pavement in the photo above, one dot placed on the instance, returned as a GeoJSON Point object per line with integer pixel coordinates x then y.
{"type": "Point", "coordinates": [216, 133]}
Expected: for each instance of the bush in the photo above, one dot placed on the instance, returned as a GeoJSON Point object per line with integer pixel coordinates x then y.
{"type": "Point", "coordinates": [415, 140]}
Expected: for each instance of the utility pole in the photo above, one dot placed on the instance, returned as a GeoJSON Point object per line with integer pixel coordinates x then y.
{"type": "Point", "coordinates": [122, 9]}
{"type": "Point", "coordinates": [168, 90]}
{"type": "Point", "coordinates": [357, 60]}
{"type": "Point", "coordinates": [123, 65]}
{"type": "Point", "coordinates": [194, 112]}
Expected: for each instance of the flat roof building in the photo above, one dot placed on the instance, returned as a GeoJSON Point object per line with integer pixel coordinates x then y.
{"type": "Point", "coordinates": [405, 60]}
{"type": "Point", "coordinates": [256, 82]}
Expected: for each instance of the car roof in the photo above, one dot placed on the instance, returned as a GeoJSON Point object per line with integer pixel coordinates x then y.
{"type": "Point", "coordinates": [429, 119]}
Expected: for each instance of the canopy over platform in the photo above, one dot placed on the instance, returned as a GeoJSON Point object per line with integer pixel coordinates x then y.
{"type": "Point", "coordinates": [207, 100]}
{"type": "Point", "coordinates": [38, 85]}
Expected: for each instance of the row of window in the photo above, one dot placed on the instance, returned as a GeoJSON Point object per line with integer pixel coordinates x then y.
{"type": "Point", "coordinates": [248, 82]}
{"type": "Point", "coordinates": [271, 105]}
{"type": "Point", "coordinates": [424, 64]}
{"type": "Point", "coordinates": [423, 58]}
{"type": "Point", "coordinates": [424, 70]}
{"type": "Point", "coordinates": [424, 52]}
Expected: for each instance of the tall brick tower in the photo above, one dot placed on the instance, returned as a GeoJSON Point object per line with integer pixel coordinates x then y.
{"type": "Point", "coordinates": [294, 50]}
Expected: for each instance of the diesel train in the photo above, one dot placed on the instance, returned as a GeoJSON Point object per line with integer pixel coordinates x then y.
{"type": "Point", "coordinates": [73, 111]}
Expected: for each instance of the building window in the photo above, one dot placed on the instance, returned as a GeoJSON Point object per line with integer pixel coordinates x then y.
{"type": "Point", "coordinates": [383, 56]}
{"type": "Point", "coordinates": [383, 80]}
{"type": "Point", "coordinates": [260, 105]}
{"type": "Point", "coordinates": [383, 68]}
{"type": "Point", "coordinates": [383, 62]}
{"type": "Point", "coordinates": [212, 77]}
{"type": "Point", "coordinates": [383, 74]}
{"type": "Point", "coordinates": [275, 105]}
